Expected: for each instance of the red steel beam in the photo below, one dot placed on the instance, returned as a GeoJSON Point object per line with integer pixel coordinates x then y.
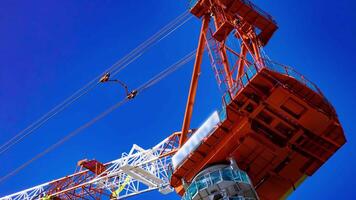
{"type": "Point", "coordinates": [241, 62]}
{"type": "Point", "coordinates": [194, 80]}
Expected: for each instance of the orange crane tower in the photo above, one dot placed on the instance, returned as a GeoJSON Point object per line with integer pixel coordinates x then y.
{"type": "Point", "coordinates": [275, 127]}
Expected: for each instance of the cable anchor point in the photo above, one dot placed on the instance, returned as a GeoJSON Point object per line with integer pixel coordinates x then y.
{"type": "Point", "coordinates": [132, 94]}
{"type": "Point", "coordinates": [105, 78]}
{"type": "Point", "coordinates": [129, 95]}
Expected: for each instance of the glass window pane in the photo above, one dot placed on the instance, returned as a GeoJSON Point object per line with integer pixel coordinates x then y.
{"type": "Point", "coordinates": [192, 189]}
{"type": "Point", "coordinates": [237, 176]}
{"type": "Point", "coordinates": [215, 177]}
{"type": "Point", "coordinates": [201, 184]}
{"type": "Point", "coordinates": [227, 174]}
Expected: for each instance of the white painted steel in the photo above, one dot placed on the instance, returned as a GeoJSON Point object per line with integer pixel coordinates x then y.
{"type": "Point", "coordinates": [147, 169]}
{"type": "Point", "coordinates": [196, 139]}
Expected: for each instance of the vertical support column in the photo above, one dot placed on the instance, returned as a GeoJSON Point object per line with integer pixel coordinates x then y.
{"type": "Point", "coordinates": [251, 43]}
{"type": "Point", "coordinates": [256, 50]}
{"type": "Point", "coordinates": [226, 67]}
{"type": "Point", "coordinates": [194, 80]}
{"type": "Point", "coordinates": [224, 58]}
{"type": "Point", "coordinates": [241, 62]}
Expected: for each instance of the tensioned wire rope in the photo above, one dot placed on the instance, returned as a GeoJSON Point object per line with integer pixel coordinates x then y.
{"type": "Point", "coordinates": [113, 70]}
{"type": "Point", "coordinates": [139, 90]}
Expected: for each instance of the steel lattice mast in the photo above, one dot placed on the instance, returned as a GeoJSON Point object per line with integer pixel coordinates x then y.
{"type": "Point", "coordinates": [140, 170]}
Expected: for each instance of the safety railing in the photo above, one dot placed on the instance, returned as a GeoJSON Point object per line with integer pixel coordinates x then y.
{"type": "Point", "coordinates": [213, 178]}
{"type": "Point", "coordinates": [291, 73]}
{"type": "Point", "coordinates": [252, 70]}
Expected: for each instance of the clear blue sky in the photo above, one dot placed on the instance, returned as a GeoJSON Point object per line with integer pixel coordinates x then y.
{"type": "Point", "coordinates": [48, 49]}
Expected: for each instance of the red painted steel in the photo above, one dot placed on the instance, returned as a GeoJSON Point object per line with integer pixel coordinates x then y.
{"type": "Point", "coordinates": [279, 127]}
{"type": "Point", "coordinates": [92, 165]}
{"type": "Point", "coordinates": [194, 81]}
{"type": "Point", "coordinates": [76, 186]}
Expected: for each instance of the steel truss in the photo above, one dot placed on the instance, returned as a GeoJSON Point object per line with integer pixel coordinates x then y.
{"type": "Point", "coordinates": [140, 170]}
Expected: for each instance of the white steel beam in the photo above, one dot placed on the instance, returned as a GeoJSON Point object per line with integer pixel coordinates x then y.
{"type": "Point", "coordinates": [135, 172]}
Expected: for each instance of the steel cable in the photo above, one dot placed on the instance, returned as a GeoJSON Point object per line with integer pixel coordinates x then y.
{"type": "Point", "coordinates": [140, 89]}
{"type": "Point", "coordinates": [114, 69]}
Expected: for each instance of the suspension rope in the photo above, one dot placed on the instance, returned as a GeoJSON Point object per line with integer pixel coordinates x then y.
{"type": "Point", "coordinates": [167, 71]}
{"type": "Point", "coordinates": [39, 123]}
{"type": "Point", "coordinates": [160, 35]}
{"type": "Point", "coordinates": [114, 69]}
{"type": "Point", "coordinates": [139, 90]}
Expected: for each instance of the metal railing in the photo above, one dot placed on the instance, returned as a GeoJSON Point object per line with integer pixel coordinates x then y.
{"type": "Point", "coordinates": [289, 71]}
{"type": "Point", "coordinates": [253, 69]}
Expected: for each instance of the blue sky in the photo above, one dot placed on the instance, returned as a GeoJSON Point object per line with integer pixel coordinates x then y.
{"type": "Point", "coordinates": [49, 49]}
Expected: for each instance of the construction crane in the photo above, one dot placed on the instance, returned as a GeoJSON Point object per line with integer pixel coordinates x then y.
{"type": "Point", "coordinates": [275, 127]}
{"type": "Point", "coordinates": [138, 171]}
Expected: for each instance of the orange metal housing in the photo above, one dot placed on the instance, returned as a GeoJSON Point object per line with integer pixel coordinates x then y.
{"type": "Point", "coordinates": [92, 165]}
{"type": "Point", "coordinates": [241, 10]}
{"type": "Point", "coordinates": [278, 127]}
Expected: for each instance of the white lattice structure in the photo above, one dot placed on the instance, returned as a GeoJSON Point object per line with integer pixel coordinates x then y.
{"type": "Point", "coordinates": [135, 172]}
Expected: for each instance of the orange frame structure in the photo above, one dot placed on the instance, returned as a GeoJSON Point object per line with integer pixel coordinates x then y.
{"type": "Point", "coordinates": [278, 127]}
